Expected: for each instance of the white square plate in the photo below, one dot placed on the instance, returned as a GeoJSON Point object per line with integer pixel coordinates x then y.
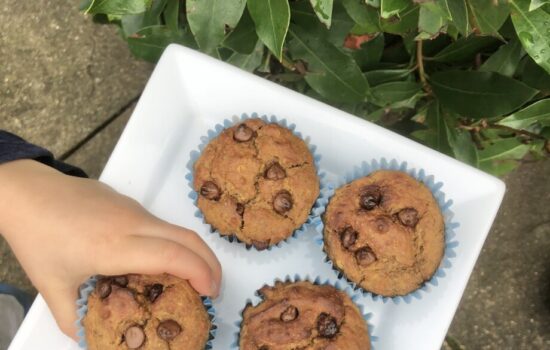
{"type": "Point", "coordinates": [188, 94]}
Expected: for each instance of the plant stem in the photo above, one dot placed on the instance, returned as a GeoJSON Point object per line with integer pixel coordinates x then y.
{"type": "Point", "coordinates": [518, 131]}
{"type": "Point", "coordinates": [420, 63]}
{"type": "Point", "coordinates": [485, 125]}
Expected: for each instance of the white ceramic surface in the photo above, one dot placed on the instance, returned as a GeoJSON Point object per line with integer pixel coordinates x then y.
{"type": "Point", "coordinates": [187, 94]}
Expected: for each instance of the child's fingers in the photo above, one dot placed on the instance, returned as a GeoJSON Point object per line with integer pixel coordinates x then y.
{"type": "Point", "coordinates": [63, 307]}
{"type": "Point", "coordinates": [150, 256]}
{"type": "Point", "coordinates": [191, 240]}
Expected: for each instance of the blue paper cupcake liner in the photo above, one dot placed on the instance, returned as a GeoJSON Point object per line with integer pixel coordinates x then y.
{"type": "Point", "coordinates": [367, 316]}
{"type": "Point", "coordinates": [444, 205]}
{"type": "Point", "coordinates": [82, 308]}
{"type": "Point", "coordinates": [211, 134]}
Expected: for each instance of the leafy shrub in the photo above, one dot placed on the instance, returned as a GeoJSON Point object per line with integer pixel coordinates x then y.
{"type": "Point", "coordinates": [469, 78]}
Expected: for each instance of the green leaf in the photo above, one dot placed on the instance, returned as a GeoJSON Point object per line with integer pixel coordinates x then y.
{"type": "Point", "coordinates": [535, 4]}
{"type": "Point", "coordinates": [133, 23]}
{"type": "Point", "coordinates": [272, 18]}
{"type": "Point", "coordinates": [479, 94]}
{"type": "Point", "coordinates": [459, 15]}
{"type": "Point", "coordinates": [430, 21]}
{"type": "Point", "coordinates": [243, 38]}
{"type": "Point", "coordinates": [171, 14]}
{"type": "Point", "coordinates": [460, 142]}
{"type": "Point", "coordinates": [331, 73]}
{"type": "Point", "coordinates": [533, 28]}
{"type": "Point", "coordinates": [365, 16]}
{"type": "Point", "coordinates": [505, 60]}
{"type": "Point", "coordinates": [390, 8]}
{"type": "Point", "coordinates": [499, 168]}
{"type": "Point", "coordinates": [406, 24]}
{"type": "Point", "coordinates": [370, 52]}
{"type": "Point", "coordinates": [488, 15]}
{"type": "Point", "coordinates": [118, 7]}
{"type": "Point", "coordinates": [208, 18]}
{"type": "Point", "coordinates": [373, 3]}
{"type": "Point", "coordinates": [248, 62]}
{"type": "Point", "coordinates": [84, 4]}
{"type": "Point", "coordinates": [323, 10]}
{"type": "Point", "coordinates": [503, 149]}
{"type": "Point", "coordinates": [436, 134]}
{"type": "Point", "coordinates": [341, 24]}
{"type": "Point", "coordinates": [150, 42]}
{"type": "Point", "coordinates": [464, 49]}
{"type": "Point", "coordinates": [534, 76]}
{"type": "Point", "coordinates": [388, 93]}
{"type": "Point", "coordinates": [302, 14]}
{"type": "Point", "coordinates": [538, 112]}
{"type": "Point", "coordinates": [377, 77]}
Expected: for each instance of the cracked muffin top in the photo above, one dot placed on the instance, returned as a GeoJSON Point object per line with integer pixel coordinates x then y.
{"type": "Point", "coordinates": [303, 315]}
{"type": "Point", "coordinates": [256, 181]}
{"type": "Point", "coordinates": [159, 312]}
{"type": "Point", "coordinates": [385, 232]}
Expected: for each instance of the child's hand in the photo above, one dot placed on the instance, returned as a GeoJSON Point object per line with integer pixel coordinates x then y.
{"type": "Point", "coordinates": [64, 229]}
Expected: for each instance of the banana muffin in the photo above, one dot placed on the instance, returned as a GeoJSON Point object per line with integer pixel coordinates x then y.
{"type": "Point", "coordinates": [385, 232]}
{"type": "Point", "coordinates": [145, 312]}
{"type": "Point", "coordinates": [256, 181]}
{"type": "Point", "coordinates": [302, 315]}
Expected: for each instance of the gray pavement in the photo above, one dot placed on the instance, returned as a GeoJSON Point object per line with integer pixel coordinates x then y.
{"type": "Point", "coordinates": [507, 301]}
{"type": "Point", "coordinates": [65, 80]}
{"type": "Point", "coordinates": [61, 75]}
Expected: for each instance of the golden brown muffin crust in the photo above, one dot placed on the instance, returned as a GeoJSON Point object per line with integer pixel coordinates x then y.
{"type": "Point", "coordinates": [257, 181]}
{"type": "Point", "coordinates": [158, 312]}
{"type": "Point", "coordinates": [304, 316]}
{"type": "Point", "coordinates": [385, 232]}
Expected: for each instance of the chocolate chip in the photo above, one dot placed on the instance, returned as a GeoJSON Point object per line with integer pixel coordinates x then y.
{"type": "Point", "coordinates": [260, 245]}
{"type": "Point", "coordinates": [275, 172]}
{"type": "Point", "coordinates": [121, 281]}
{"type": "Point", "coordinates": [240, 209]}
{"type": "Point", "coordinates": [382, 224]}
{"type": "Point", "coordinates": [134, 337]}
{"type": "Point", "coordinates": [370, 197]}
{"type": "Point", "coordinates": [263, 347]}
{"type": "Point", "coordinates": [365, 256]}
{"type": "Point", "coordinates": [103, 288]}
{"type": "Point", "coordinates": [168, 330]}
{"type": "Point", "coordinates": [154, 291]}
{"type": "Point", "coordinates": [282, 202]}
{"type": "Point", "coordinates": [210, 190]}
{"type": "Point", "coordinates": [290, 314]}
{"type": "Point", "coordinates": [348, 237]}
{"type": "Point", "coordinates": [243, 133]}
{"type": "Point", "coordinates": [326, 325]}
{"type": "Point", "coordinates": [408, 217]}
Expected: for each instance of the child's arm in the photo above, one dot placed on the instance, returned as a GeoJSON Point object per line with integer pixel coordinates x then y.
{"type": "Point", "coordinates": [64, 229]}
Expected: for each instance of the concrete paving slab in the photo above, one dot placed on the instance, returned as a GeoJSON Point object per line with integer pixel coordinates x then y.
{"type": "Point", "coordinates": [61, 75]}
{"type": "Point", "coordinates": [507, 301]}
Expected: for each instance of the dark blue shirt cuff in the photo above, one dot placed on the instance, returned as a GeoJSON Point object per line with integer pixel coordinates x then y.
{"type": "Point", "coordinates": [13, 147]}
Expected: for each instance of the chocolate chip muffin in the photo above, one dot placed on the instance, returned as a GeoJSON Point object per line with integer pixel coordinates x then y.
{"type": "Point", "coordinates": [256, 181]}
{"type": "Point", "coordinates": [385, 232]}
{"type": "Point", "coordinates": [145, 312]}
{"type": "Point", "coordinates": [303, 315]}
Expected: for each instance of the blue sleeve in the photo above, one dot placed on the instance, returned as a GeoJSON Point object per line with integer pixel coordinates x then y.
{"type": "Point", "coordinates": [13, 147]}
